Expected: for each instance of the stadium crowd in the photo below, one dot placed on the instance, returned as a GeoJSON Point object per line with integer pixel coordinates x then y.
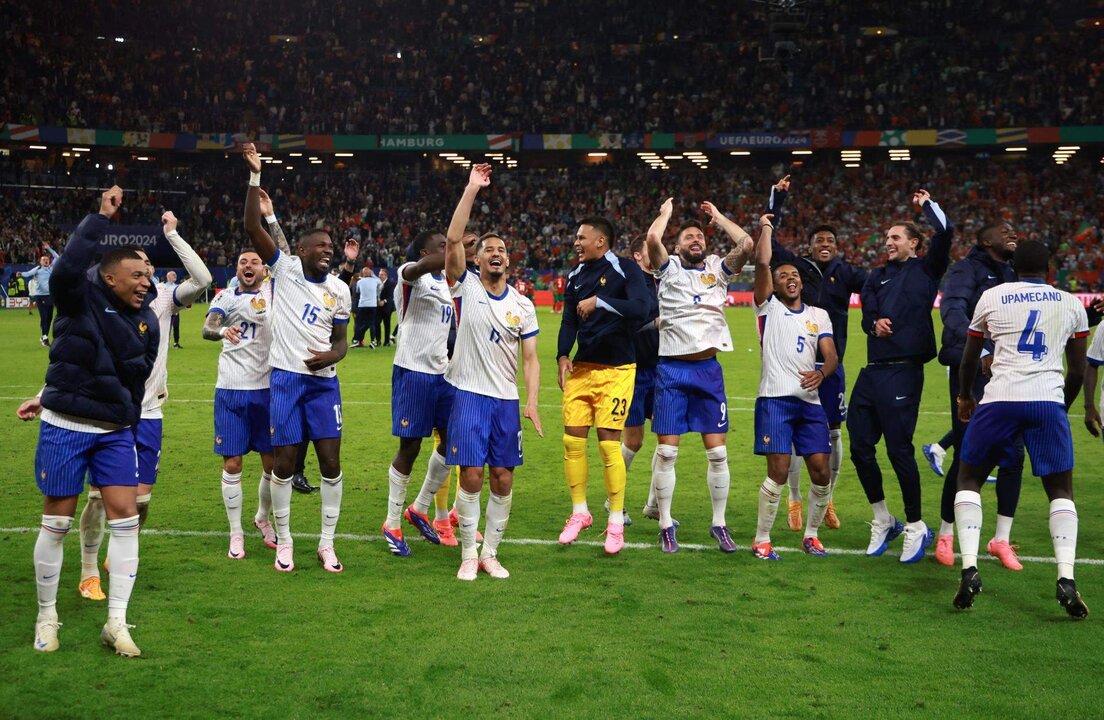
{"type": "Point", "coordinates": [628, 66]}
{"type": "Point", "coordinates": [385, 207]}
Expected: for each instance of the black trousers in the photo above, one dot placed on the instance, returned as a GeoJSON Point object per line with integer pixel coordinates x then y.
{"type": "Point", "coordinates": [366, 322]}
{"type": "Point", "coordinates": [885, 402]}
{"type": "Point", "coordinates": [175, 322]}
{"type": "Point", "coordinates": [1009, 479]}
{"type": "Point", "coordinates": [383, 317]}
{"type": "Point", "coordinates": [45, 306]}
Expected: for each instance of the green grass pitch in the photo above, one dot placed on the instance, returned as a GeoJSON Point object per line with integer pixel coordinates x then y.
{"type": "Point", "coordinates": [572, 633]}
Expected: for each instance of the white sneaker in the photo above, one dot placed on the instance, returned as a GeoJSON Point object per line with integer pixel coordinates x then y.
{"type": "Point", "coordinates": [881, 534]}
{"type": "Point", "coordinates": [493, 567]}
{"type": "Point", "coordinates": [46, 639]}
{"type": "Point", "coordinates": [237, 547]}
{"type": "Point", "coordinates": [116, 635]}
{"type": "Point", "coordinates": [917, 539]}
{"type": "Point", "coordinates": [469, 569]}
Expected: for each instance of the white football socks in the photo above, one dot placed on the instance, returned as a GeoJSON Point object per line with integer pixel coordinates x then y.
{"type": "Point", "coordinates": [1004, 528]}
{"type": "Point", "coordinates": [627, 454]}
{"type": "Point", "coordinates": [92, 521]}
{"type": "Point", "coordinates": [967, 511]}
{"type": "Point", "coordinates": [718, 478]}
{"type": "Point", "coordinates": [264, 497]}
{"type": "Point", "coordinates": [793, 476]}
{"type": "Point", "coordinates": [437, 473]}
{"type": "Point", "coordinates": [1063, 533]}
{"type": "Point", "coordinates": [396, 496]}
{"type": "Point", "coordinates": [467, 508]}
{"type": "Point", "coordinates": [331, 509]}
{"type": "Point", "coordinates": [881, 513]}
{"type": "Point", "coordinates": [281, 508]}
{"type": "Point", "coordinates": [498, 515]}
{"type": "Point", "coordinates": [48, 552]}
{"type": "Point", "coordinates": [819, 495]}
{"type": "Point", "coordinates": [835, 460]}
{"type": "Point", "coordinates": [770, 493]}
{"type": "Point", "coordinates": [232, 500]}
{"type": "Point", "coordinates": [122, 556]}
{"type": "Point", "coordinates": [663, 477]}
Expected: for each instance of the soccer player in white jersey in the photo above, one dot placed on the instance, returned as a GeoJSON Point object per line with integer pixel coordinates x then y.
{"type": "Point", "coordinates": [239, 319]}
{"type": "Point", "coordinates": [788, 413]}
{"type": "Point", "coordinates": [310, 318]}
{"type": "Point", "coordinates": [170, 300]}
{"type": "Point", "coordinates": [690, 393]}
{"type": "Point", "coordinates": [421, 398]}
{"type": "Point", "coordinates": [1030, 324]}
{"type": "Point", "coordinates": [495, 325]}
{"type": "Point", "coordinates": [1095, 360]}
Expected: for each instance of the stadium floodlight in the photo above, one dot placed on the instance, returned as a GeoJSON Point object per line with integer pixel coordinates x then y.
{"type": "Point", "coordinates": [141, 157]}
{"type": "Point", "coordinates": [37, 147]}
{"type": "Point", "coordinates": [120, 40]}
{"type": "Point", "coordinates": [1069, 147]}
{"type": "Point", "coordinates": [295, 154]}
{"type": "Point", "coordinates": [494, 155]}
{"type": "Point", "coordinates": [852, 165]}
{"type": "Point", "coordinates": [693, 153]}
{"type": "Point", "coordinates": [449, 155]}
{"type": "Point", "coordinates": [110, 166]}
{"type": "Point", "coordinates": [66, 154]}
{"type": "Point", "coordinates": [850, 152]}
{"type": "Point", "coordinates": [1016, 149]}
{"type": "Point", "coordinates": [801, 152]}
{"type": "Point", "coordinates": [740, 152]}
{"type": "Point", "coordinates": [316, 162]}
{"type": "Point", "coordinates": [646, 154]}
{"type": "Point", "coordinates": [672, 157]}
{"type": "Point", "coordinates": [77, 149]}
{"type": "Point", "coordinates": [288, 167]}
{"type": "Point", "coordinates": [597, 154]}
{"type": "Point", "coordinates": [343, 154]}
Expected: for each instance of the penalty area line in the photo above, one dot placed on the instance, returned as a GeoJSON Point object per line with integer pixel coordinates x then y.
{"type": "Point", "coordinates": [169, 532]}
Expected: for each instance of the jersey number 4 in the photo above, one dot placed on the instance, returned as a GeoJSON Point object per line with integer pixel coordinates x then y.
{"type": "Point", "coordinates": [1032, 341]}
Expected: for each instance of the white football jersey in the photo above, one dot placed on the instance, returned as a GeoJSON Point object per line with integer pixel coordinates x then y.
{"type": "Point", "coordinates": [1029, 323]}
{"type": "Point", "coordinates": [1096, 352]}
{"type": "Point", "coordinates": [157, 384]}
{"type": "Point", "coordinates": [488, 338]}
{"type": "Point", "coordinates": [692, 307]}
{"type": "Point", "coordinates": [245, 366]}
{"type": "Point", "coordinates": [303, 315]}
{"type": "Point", "coordinates": [425, 317]}
{"type": "Point", "coordinates": [788, 340]}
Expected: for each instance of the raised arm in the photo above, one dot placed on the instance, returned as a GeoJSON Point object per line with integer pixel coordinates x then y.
{"type": "Point", "coordinates": [455, 260]}
{"type": "Point", "coordinates": [657, 254]}
{"type": "Point", "coordinates": [69, 278]}
{"type": "Point", "coordinates": [262, 241]}
{"type": "Point", "coordinates": [425, 265]}
{"type": "Point", "coordinates": [199, 277]}
{"type": "Point", "coordinates": [530, 367]}
{"type": "Point", "coordinates": [268, 210]}
{"type": "Point", "coordinates": [764, 281]}
{"type": "Point", "coordinates": [938, 258]}
{"type": "Point", "coordinates": [777, 197]}
{"type": "Point", "coordinates": [46, 246]}
{"type": "Point", "coordinates": [742, 244]}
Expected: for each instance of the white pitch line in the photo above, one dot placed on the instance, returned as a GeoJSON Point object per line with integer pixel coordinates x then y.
{"type": "Point", "coordinates": [168, 532]}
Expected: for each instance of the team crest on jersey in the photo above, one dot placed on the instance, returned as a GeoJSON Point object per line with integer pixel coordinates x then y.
{"type": "Point", "coordinates": [43, 474]}
{"type": "Point", "coordinates": [259, 305]}
{"type": "Point", "coordinates": [602, 281]}
{"type": "Point", "coordinates": [404, 422]}
{"type": "Point", "coordinates": [513, 320]}
{"type": "Point", "coordinates": [812, 327]}
{"type": "Point", "coordinates": [142, 328]}
{"type": "Point", "coordinates": [218, 440]}
{"type": "Point", "coordinates": [766, 439]}
{"type": "Point", "coordinates": [329, 300]}
{"type": "Point", "coordinates": [271, 430]}
{"type": "Point", "coordinates": [709, 279]}
{"type": "Point", "coordinates": [455, 449]}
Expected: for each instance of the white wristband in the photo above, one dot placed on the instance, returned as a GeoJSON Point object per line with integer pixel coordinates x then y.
{"type": "Point", "coordinates": [254, 179]}
{"type": "Point", "coordinates": [222, 331]}
{"type": "Point", "coordinates": [270, 219]}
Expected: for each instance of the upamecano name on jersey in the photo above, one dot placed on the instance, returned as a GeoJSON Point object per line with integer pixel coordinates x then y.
{"type": "Point", "coordinates": [1032, 296]}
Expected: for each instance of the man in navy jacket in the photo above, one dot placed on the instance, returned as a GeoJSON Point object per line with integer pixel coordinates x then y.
{"type": "Point", "coordinates": [986, 265]}
{"type": "Point", "coordinates": [105, 344]}
{"type": "Point", "coordinates": [828, 282]}
{"type": "Point", "coordinates": [896, 317]}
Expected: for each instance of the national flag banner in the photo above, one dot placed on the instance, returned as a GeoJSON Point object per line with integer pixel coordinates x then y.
{"type": "Point", "coordinates": [109, 138]}
{"type": "Point", "coordinates": [500, 141]}
{"type": "Point", "coordinates": [320, 142]}
{"type": "Point", "coordinates": [1044, 135]}
{"type": "Point", "coordinates": [920, 137]}
{"type": "Point", "coordinates": [659, 141]}
{"type": "Point", "coordinates": [214, 141]}
{"type": "Point", "coordinates": [23, 132]}
{"type": "Point", "coordinates": [81, 136]}
{"type": "Point", "coordinates": [291, 142]}
{"type": "Point", "coordinates": [981, 136]}
{"type": "Point", "coordinates": [557, 142]}
{"type": "Point", "coordinates": [609, 141]}
{"type": "Point", "coordinates": [162, 141]}
{"type": "Point", "coordinates": [632, 141]}
{"type": "Point", "coordinates": [136, 139]}
{"type": "Point", "coordinates": [1011, 135]}
{"type": "Point", "coordinates": [892, 138]}
{"type": "Point", "coordinates": [867, 138]}
{"type": "Point", "coordinates": [950, 137]}
{"type": "Point", "coordinates": [532, 142]}
{"type": "Point", "coordinates": [1083, 133]}
{"type": "Point", "coordinates": [825, 138]}
{"type": "Point", "coordinates": [54, 135]}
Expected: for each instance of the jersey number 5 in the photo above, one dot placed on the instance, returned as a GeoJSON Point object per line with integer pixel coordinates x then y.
{"type": "Point", "coordinates": [1032, 341]}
